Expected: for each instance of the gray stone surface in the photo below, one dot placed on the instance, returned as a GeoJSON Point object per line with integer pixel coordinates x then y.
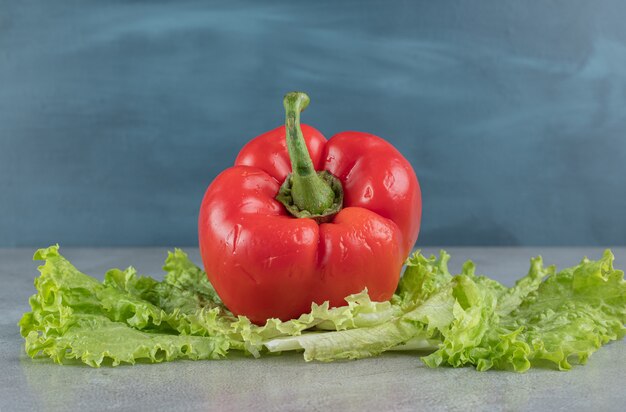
{"type": "Point", "coordinates": [389, 382]}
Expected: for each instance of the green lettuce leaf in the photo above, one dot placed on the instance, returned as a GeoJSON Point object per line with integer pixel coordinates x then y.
{"type": "Point", "coordinates": [93, 338]}
{"type": "Point", "coordinates": [567, 316]}
{"type": "Point", "coordinates": [572, 314]}
{"type": "Point", "coordinates": [462, 320]}
{"type": "Point", "coordinates": [76, 317]}
{"type": "Point", "coordinates": [423, 277]}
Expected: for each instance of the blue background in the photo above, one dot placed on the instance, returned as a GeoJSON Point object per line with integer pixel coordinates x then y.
{"type": "Point", "coordinates": [115, 116]}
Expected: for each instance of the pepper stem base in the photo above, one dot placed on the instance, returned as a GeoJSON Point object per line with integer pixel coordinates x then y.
{"type": "Point", "coordinates": [285, 197]}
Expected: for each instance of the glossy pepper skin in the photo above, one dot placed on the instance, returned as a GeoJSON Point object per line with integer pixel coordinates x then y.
{"type": "Point", "coordinates": [265, 263]}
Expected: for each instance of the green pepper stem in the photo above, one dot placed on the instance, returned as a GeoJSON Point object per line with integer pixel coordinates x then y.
{"type": "Point", "coordinates": [309, 191]}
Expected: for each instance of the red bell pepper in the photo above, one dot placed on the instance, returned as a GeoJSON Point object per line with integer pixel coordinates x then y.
{"type": "Point", "coordinates": [272, 241]}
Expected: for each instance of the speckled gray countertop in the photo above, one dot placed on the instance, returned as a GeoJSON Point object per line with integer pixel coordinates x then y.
{"type": "Point", "coordinates": [389, 382]}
